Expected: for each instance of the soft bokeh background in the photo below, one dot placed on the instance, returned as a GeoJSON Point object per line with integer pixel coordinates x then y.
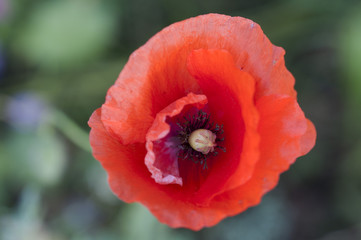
{"type": "Point", "coordinates": [58, 58]}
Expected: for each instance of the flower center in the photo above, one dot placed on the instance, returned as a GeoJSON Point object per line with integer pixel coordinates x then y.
{"type": "Point", "coordinates": [199, 138]}
{"type": "Point", "coordinates": [202, 140]}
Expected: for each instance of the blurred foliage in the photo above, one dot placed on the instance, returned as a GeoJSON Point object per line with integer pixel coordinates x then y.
{"type": "Point", "coordinates": [59, 57]}
{"type": "Point", "coordinates": [57, 33]}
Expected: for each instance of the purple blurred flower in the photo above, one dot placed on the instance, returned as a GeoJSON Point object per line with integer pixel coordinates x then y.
{"type": "Point", "coordinates": [26, 111]}
{"type": "Point", "coordinates": [4, 8]}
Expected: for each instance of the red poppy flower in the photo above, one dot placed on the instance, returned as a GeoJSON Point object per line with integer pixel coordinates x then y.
{"type": "Point", "coordinates": [216, 73]}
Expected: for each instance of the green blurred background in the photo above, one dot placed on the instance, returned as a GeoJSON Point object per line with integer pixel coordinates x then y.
{"type": "Point", "coordinates": [58, 58]}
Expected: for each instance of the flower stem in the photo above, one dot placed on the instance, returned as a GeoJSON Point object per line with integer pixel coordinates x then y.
{"type": "Point", "coordinates": [70, 129]}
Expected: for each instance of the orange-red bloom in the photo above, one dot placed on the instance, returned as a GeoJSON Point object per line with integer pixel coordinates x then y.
{"type": "Point", "coordinates": [213, 72]}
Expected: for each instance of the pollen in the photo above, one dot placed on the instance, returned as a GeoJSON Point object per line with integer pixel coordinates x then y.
{"type": "Point", "coordinates": [202, 140]}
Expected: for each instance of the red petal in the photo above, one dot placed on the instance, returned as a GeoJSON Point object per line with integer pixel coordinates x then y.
{"type": "Point", "coordinates": [309, 139]}
{"type": "Point", "coordinates": [161, 62]}
{"type": "Point", "coordinates": [126, 113]}
{"type": "Point", "coordinates": [230, 93]}
{"type": "Point", "coordinates": [161, 161]}
{"type": "Point", "coordinates": [285, 134]}
{"type": "Point", "coordinates": [243, 38]}
{"type": "Point", "coordinates": [282, 127]}
{"type": "Point", "coordinates": [128, 176]}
